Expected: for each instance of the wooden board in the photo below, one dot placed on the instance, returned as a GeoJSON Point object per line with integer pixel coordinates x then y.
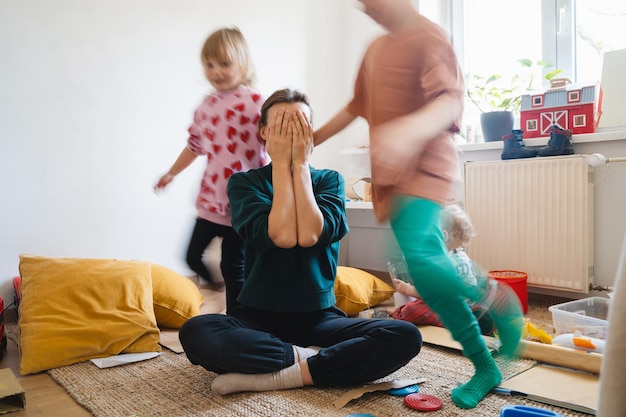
{"type": "Point", "coordinates": [557, 386]}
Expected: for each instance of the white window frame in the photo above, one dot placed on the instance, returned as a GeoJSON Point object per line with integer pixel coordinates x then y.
{"type": "Point", "coordinates": [558, 38]}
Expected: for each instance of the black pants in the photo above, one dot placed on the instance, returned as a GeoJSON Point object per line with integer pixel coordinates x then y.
{"type": "Point", "coordinates": [254, 341]}
{"type": "Point", "coordinates": [231, 264]}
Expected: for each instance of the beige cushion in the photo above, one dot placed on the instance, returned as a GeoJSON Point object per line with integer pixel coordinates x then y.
{"type": "Point", "coordinates": [75, 309]}
{"type": "Point", "coordinates": [357, 290]}
{"type": "Point", "coordinates": [176, 298]}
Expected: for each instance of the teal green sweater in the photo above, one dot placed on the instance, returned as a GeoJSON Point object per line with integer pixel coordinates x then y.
{"type": "Point", "coordinates": [289, 280]}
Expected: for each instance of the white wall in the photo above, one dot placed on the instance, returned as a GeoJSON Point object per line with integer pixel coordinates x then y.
{"type": "Point", "coordinates": [96, 97]}
{"type": "Point", "coordinates": [95, 101]}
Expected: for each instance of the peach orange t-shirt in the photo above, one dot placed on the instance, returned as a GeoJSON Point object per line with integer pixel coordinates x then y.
{"type": "Point", "coordinates": [400, 74]}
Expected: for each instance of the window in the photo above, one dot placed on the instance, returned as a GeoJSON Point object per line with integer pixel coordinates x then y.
{"type": "Point", "coordinates": [580, 120]}
{"type": "Point", "coordinates": [489, 36]}
{"type": "Point", "coordinates": [573, 96]}
{"type": "Point", "coordinates": [599, 29]}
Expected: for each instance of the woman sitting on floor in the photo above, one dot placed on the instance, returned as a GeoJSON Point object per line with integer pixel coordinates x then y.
{"type": "Point", "coordinates": [287, 333]}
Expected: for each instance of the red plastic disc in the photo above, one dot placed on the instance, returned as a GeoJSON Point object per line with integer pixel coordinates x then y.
{"type": "Point", "coordinates": [423, 402]}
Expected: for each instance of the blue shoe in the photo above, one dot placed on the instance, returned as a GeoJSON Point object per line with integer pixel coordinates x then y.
{"type": "Point", "coordinates": [514, 147]}
{"type": "Point", "coordinates": [560, 143]}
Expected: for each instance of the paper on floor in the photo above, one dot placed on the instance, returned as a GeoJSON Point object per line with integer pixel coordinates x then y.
{"type": "Point", "coordinates": [380, 386]}
{"type": "Point", "coordinates": [123, 359]}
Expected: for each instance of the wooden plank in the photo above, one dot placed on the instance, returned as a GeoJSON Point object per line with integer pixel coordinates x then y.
{"type": "Point", "coordinates": [562, 356]}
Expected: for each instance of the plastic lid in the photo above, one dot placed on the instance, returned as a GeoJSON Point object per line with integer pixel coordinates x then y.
{"type": "Point", "coordinates": [401, 392]}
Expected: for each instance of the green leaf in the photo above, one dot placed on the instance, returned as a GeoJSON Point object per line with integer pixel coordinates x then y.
{"type": "Point", "coordinates": [495, 92]}
{"type": "Point", "coordinates": [552, 74]}
{"type": "Point", "coordinates": [544, 64]}
{"type": "Point", "coordinates": [493, 78]}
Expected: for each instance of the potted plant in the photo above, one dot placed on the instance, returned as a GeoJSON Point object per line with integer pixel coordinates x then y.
{"type": "Point", "coordinates": [498, 99]}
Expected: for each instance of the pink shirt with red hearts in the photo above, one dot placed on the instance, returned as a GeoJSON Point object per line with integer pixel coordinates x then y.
{"type": "Point", "coordinates": [225, 130]}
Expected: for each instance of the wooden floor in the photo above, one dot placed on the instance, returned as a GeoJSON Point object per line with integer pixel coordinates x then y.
{"type": "Point", "coordinates": [43, 396]}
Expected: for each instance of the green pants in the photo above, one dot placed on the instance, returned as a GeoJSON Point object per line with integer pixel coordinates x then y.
{"type": "Point", "coordinates": [415, 224]}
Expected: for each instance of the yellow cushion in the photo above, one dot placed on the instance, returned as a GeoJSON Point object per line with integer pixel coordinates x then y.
{"type": "Point", "coordinates": [176, 298]}
{"type": "Point", "coordinates": [74, 309]}
{"type": "Point", "coordinates": [357, 290]}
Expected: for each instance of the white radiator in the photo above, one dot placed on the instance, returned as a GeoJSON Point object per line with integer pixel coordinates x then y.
{"type": "Point", "coordinates": [534, 215]}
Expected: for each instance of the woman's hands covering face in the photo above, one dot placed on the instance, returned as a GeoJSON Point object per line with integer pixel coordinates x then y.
{"type": "Point", "coordinates": [280, 137]}
{"type": "Point", "coordinates": [302, 144]}
{"type": "Point", "coordinates": [290, 137]}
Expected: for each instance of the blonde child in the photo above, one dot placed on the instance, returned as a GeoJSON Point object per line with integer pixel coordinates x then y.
{"type": "Point", "coordinates": [225, 132]}
{"type": "Point", "coordinates": [410, 90]}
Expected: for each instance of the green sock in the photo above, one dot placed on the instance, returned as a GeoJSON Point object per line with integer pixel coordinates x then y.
{"type": "Point", "coordinates": [487, 376]}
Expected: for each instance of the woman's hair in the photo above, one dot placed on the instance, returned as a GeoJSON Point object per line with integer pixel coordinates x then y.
{"type": "Point", "coordinates": [456, 222]}
{"type": "Point", "coordinates": [286, 95]}
{"type": "Point", "coordinates": [228, 44]}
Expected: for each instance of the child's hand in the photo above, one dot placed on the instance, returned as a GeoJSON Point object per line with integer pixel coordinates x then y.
{"type": "Point", "coordinates": [163, 182]}
{"type": "Point", "coordinates": [400, 286]}
{"type": "Point", "coordinates": [404, 288]}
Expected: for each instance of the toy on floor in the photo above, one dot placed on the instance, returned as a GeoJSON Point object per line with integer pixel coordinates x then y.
{"type": "Point", "coordinates": [3, 337]}
{"type": "Point", "coordinates": [17, 296]}
{"type": "Point", "coordinates": [402, 392]}
{"type": "Point", "coordinates": [535, 332]}
{"type": "Point", "coordinates": [15, 304]}
{"type": "Point", "coordinates": [578, 341]}
{"type": "Point", "coordinates": [423, 402]}
{"type": "Point", "coordinates": [524, 411]}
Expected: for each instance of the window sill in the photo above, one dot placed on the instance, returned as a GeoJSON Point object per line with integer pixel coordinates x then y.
{"type": "Point", "coordinates": [601, 136]}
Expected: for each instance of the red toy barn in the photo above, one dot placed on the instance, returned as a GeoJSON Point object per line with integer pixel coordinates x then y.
{"type": "Point", "coordinates": [575, 107]}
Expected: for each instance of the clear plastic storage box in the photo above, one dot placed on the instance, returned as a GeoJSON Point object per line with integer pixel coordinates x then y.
{"type": "Point", "coordinates": [589, 315]}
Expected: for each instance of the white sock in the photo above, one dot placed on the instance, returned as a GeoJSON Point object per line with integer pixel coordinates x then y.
{"type": "Point", "coordinates": [286, 378]}
{"type": "Point", "coordinates": [301, 353]}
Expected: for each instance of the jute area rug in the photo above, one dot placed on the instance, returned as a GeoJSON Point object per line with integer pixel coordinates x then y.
{"type": "Point", "coordinates": [170, 385]}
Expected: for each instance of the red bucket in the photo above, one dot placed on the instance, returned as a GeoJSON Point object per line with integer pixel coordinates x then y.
{"type": "Point", "coordinates": [517, 281]}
